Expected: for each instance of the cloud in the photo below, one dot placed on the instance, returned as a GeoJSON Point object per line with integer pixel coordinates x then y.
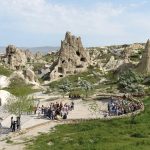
{"type": "Point", "coordinates": [42, 17]}
{"type": "Point", "coordinates": [41, 14]}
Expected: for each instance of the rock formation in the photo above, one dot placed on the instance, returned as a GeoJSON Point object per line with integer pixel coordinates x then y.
{"type": "Point", "coordinates": [15, 57]}
{"type": "Point", "coordinates": [73, 58]}
{"type": "Point", "coordinates": [4, 96]}
{"type": "Point", "coordinates": [30, 75]}
{"type": "Point", "coordinates": [113, 64]}
{"type": "Point", "coordinates": [144, 65]}
{"type": "Point", "coordinates": [4, 81]}
{"type": "Point", "coordinates": [38, 55]}
{"type": "Point", "coordinates": [29, 56]}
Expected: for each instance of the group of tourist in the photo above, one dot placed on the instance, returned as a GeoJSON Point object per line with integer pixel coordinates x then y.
{"type": "Point", "coordinates": [55, 110]}
{"type": "Point", "coordinates": [122, 106]}
{"type": "Point", "coordinates": [15, 124]}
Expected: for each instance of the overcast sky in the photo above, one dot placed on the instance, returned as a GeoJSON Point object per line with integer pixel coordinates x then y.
{"type": "Point", "coordinates": [98, 22]}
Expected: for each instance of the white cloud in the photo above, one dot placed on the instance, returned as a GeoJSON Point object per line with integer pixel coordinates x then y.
{"type": "Point", "coordinates": [42, 17]}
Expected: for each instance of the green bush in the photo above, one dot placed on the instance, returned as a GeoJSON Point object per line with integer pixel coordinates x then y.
{"type": "Point", "coordinates": [89, 75]}
{"type": "Point", "coordinates": [37, 66]}
{"type": "Point", "coordinates": [129, 81]}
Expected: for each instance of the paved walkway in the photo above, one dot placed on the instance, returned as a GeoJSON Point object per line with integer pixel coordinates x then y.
{"type": "Point", "coordinates": [32, 125]}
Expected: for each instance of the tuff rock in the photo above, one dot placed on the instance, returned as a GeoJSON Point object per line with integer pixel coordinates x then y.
{"type": "Point", "coordinates": [15, 57]}
{"type": "Point", "coordinates": [144, 64]}
{"type": "Point", "coordinates": [73, 58]}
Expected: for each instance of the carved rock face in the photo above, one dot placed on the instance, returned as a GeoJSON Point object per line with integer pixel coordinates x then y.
{"type": "Point", "coordinates": [73, 58]}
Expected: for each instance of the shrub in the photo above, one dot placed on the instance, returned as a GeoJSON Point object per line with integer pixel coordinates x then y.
{"type": "Point", "coordinates": [129, 81]}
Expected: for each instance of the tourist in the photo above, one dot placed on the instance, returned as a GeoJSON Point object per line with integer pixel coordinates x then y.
{"type": "Point", "coordinates": [42, 109]}
{"type": "Point", "coordinates": [39, 111]}
{"type": "Point", "coordinates": [72, 105]}
{"type": "Point", "coordinates": [35, 109]}
{"type": "Point", "coordinates": [18, 123]}
{"type": "Point", "coordinates": [117, 106]}
{"type": "Point", "coordinates": [11, 126]}
{"type": "Point", "coordinates": [65, 116]}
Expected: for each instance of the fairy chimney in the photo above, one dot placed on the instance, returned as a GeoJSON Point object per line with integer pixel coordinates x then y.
{"type": "Point", "coordinates": [144, 65]}
{"type": "Point", "coordinates": [73, 58]}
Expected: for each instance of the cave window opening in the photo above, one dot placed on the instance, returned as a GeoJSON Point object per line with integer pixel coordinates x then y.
{"type": "Point", "coordinates": [78, 53]}
{"type": "Point", "coordinates": [60, 69]}
{"type": "Point", "coordinates": [17, 67]}
{"type": "Point", "coordinates": [83, 59]}
{"type": "Point", "coordinates": [63, 61]}
{"type": "Point", "coordinates": [61, 75]}
{"type": "Point", "coordinates": [79, 66]}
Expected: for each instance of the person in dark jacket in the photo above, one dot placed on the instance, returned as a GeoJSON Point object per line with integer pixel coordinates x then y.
{"type": "Point", "coordinates": [11, 123]}
{"type": "Point", "coordinates": [13, 126]}
{"type": "Point", "coordinates": [18, 123]}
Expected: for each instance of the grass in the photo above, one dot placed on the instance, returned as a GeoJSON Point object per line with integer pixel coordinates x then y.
{"type": "Point", "coordinates": [37, 66]}
{"type": "Point", "coordinates": [4, 71]}
{"type": "Point", "coordinates": [117, 134]}
{"type": "Point", "coordinates": [19, 88]}
{"type": "Point", "coordinates": [89, 75]}
{"type": "Point", "coordinates": [8, 140]}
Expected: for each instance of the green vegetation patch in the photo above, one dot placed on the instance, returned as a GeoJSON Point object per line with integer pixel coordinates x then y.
{"type": "Point", "coordinates": [19, 88]}
{"type": "Point", "coordinates": [89, 75]}
{"type": "Point", "coordinates": [5, 71]}
{"type": "Point", "coordinates": [116, 134]}
{"type": "Point", "coordinates": [38, 66]}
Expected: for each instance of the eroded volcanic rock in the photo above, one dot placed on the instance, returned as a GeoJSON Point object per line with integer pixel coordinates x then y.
{"type": "Point", "coordinates": [144, 65]}
{"type": "Point", "coordinates": [73, 58]}
{"type": "Point", "coordinates": [15, 57]}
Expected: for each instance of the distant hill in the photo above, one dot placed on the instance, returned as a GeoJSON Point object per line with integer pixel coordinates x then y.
{"type": "Point", "coordinates": [43, 49]}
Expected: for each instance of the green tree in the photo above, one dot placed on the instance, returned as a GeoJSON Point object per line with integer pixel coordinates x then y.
{"type": "Point", "coordinates": [65, 86]}
{"type": "Point", "coordinates": [85, 85]}
{"type": "Point", "coordinates": [19, 105]}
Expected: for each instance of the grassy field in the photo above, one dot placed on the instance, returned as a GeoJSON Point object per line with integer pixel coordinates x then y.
{"type": "Point", "coordinates": [117, 134]}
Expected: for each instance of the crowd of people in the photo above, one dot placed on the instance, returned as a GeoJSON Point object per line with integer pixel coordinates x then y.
{"type": "Point", "coordinates": [122, 106]}
{"type": "Point", "coordinates": [116, 106]}
{"type": "Point", "coordinates": [55, 110]}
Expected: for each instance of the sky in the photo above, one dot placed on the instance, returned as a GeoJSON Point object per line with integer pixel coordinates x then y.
{"type": "Point", "coordinates": [33, 23]}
